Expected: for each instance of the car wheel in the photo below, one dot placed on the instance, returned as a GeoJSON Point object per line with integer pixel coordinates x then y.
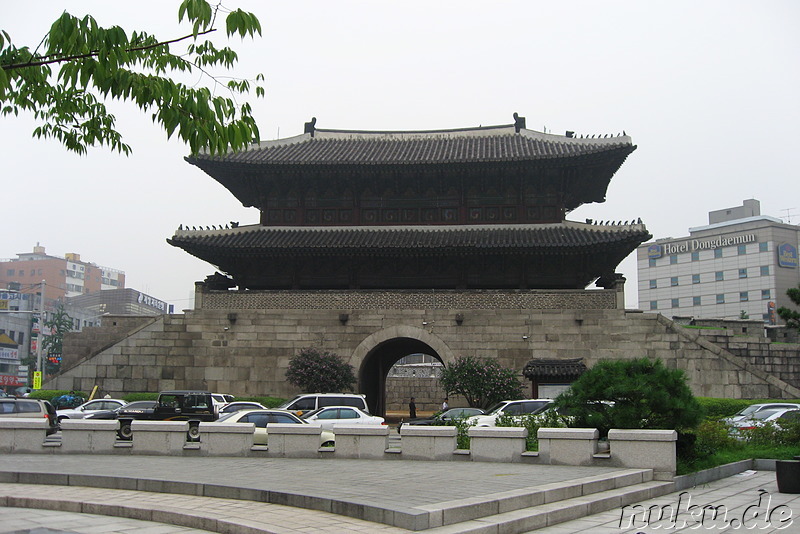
{"type": "Point", "coordinates": [62, 418]}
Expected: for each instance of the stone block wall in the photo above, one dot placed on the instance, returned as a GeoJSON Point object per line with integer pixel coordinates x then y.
{"type": "Point", "coordinates": [246, 351]}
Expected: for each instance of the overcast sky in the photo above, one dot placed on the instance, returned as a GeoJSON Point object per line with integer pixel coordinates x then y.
{"type": "Point", "coordinates": [709, 91]}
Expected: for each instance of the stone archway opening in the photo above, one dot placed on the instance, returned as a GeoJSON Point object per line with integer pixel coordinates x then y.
{"type": "Point", "coordinates": [372, 375]}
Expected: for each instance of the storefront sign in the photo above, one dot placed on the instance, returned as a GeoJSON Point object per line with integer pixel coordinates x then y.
{"type": "Point", "coordinates": [10, 380]}
{"type": "Point", "coordinates": [9, 354]}
{"type": "Point", "coordinates": [787, 256]}
{"type": "Point", "coordinates": [153, 303]}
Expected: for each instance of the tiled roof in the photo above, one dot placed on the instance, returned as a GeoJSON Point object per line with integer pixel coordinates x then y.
{"type": "Point", "coordinates": [256, 240]}
{"type": "Point", "coordinates": [483, 144]}
{"type": "Point", "coordinates": [541, 368]}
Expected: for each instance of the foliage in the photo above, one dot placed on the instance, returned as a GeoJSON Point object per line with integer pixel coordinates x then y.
{"type": "Point", "coordinates": [462, 425]}
{"type": "Point", "coordinates": [59, 324]}
{"type": "Point", "coordinates": [714, 408]}
{"type": "Point", "coordinates": [482, 382]}
{"type": "Point", "coordinates": [787, 433]}
{"type": "Point", "coordinates": [637, 393]}
{"type": "Point", "coordinates": [314, 371]}
{"type": "Point", "coordinates": [96, 64]}
{"type": "Point", "coordinates": [533, 422]}
{"type": "Point", "coordinates": [792, 317]}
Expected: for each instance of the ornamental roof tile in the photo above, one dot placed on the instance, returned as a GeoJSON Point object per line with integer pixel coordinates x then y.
{"type": "Point", "coordinates": [543, 368]}
{"type": "Point", "coordinates": [482, 144]}
{"type": "Point", "coordinates": [256, 240]}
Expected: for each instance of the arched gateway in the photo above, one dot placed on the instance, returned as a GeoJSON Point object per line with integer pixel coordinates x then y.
{"type": "Point", "coordinates": [380, 351]}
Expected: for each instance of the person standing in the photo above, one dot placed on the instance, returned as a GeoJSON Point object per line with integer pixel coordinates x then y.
{"type": "Point", "coordinates": [445, 406]}
{"type": "Point", "coordinates": [412, 409]}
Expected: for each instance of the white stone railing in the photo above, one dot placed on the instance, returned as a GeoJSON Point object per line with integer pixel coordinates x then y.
{"type": "Point", "coordinates": [651, 449]}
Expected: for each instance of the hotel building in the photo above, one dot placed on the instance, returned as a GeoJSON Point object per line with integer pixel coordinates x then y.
{"type": "Point", "coordinates": [738, 266]}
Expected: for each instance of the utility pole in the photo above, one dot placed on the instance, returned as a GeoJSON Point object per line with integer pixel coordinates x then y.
{"type": "Point", "coordinates": [40, 366]}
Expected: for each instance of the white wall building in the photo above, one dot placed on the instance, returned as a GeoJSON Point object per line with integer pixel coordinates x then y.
{"type": "Point", "coordinates": [742, 262]}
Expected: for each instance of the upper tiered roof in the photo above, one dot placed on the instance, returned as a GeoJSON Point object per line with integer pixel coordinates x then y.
{"type": "Point", "coordinates": [482, 144]}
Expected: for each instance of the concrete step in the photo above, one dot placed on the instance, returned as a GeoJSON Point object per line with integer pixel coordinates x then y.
{"type": "Point", "coordinates": [553, 513]}
{"type": "Point", "coordinates": [459, 511]}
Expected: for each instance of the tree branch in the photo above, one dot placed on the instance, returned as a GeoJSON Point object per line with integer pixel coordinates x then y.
{"type": "Point", "coordinates": [94, 53]}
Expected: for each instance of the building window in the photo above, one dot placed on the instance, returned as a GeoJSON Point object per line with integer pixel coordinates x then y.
{"type": "Point", "coordinates": [673, 259]}
{"type": "Point", "coordinates": [653, 304]}
{"type": "Point", "coordinates": [21, 338]}
{"type": "Point", "coordinates": [676, 303]}
{"type": "Point", "coordinates": [695, 301]}
{"type": "Point", "coordinates": [720, 299]}
{"type": "Point", "coordinates": [743, 273]}
{"type": "Point", "coordinates": [763, 247]}
{"type": "Point", "coordinates": [719, 276]}
{"type": "Point", "coordinates": [653, 284]}
{"type": "Point", "coordinates": [741, 250]}
{"type": "Point", "coordinates": [765, 270]}
{"type": "Point", "coordinates": [695, 278]}
{"type": "Point", "coordinates": [766, 294]}
{"type": "Point", "coordinates": [673, 281]}
{"type": "Point", "coordinates": [743, 297]}
{"type": "Point", "coordinates": [717, 253]}
{"type": "Point", "coordinates": [652, 262]}
{"type": "Point", "coordinates": [696, 256]}
{"type": "Point", "coordinates": [10, 272]}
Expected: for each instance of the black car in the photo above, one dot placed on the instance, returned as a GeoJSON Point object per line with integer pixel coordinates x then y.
{"type": "Point", "coordinates": [181, 405]}
{"type": "Point", "coordinates": [442, 418]}
{"type": "Point", "coordinates": [132, 409]}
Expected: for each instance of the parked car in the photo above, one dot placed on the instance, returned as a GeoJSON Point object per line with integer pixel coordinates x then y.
{"type": "Point", "coordinates": [179, 405]}
{"type": "Point", "coordinates": [88, 407]}
{"type": "Point", "coordinates": [750, 411]}
{"type": "Point", "coordinates": [510, 407]}
{"type": "Point", "coordinates": [760, 418]}
{"type": "Point", "coordinates": [349, 415]}
{"type": "Point", "coordinates": [443, 418]}
{"type": "Point", "coordinates": [241, 405]}
{"type": "Point", "coordinates": [221, 399]}
{"type": "Point", "coordinates": [30, 408]}
{"type": "Point", "coordinates": [262, 419]}
{"type": "Point", "coordinates": [132, 409]}
{"type": "Point", "coordinates": [311, 401]}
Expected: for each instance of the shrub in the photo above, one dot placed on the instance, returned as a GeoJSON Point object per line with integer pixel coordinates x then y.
{"type": "Point", "coordinates": [462, 430]}
{"type": "Point", "coordinates": [637, 393]}
{"type": "Point", "coordinates": [533, 422]}
{"type": "Point", "coordinates": [482, 382]}
{"type": "Point", "coordinates": [314, 371]}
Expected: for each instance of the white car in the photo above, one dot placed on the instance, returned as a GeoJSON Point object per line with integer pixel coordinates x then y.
{"type": "Point", "coordinates": [262, 419]}
{"type": "Point", "coordinates": [773, 415]}
{"type": "Point", "coordinates": [510, 407]}
{"type": "Point", "coordinates": [220, 400]}
{"type": "Point", "coordinates": [89, 407]}
{"type": "Point", "coordinates": [753, 409]}
{"type": "Point", "coordinates": [241, 405]}
{"type": "Point", "coordinates": [348, 415]}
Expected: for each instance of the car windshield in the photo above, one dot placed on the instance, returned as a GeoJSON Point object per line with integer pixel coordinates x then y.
{"type": "Point", "coordinates": [750, 409]}
{"type": "Point", "coordinates": [311, 413]}
{"type": "Point", "coordinates": [763, 414]}
{"type": "Point", "coordinates": [495, 408]}
{"type": "Point", "coordinates": [226, 417]}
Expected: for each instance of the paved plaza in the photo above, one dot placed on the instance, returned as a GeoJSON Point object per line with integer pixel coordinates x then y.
{"type": "Point", "coordinates": [176, 496]}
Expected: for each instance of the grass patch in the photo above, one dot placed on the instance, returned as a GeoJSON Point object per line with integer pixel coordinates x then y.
{"type": "Point", "coordinates": [736, 454]}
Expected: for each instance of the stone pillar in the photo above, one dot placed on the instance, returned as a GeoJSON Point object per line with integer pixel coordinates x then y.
{"type": "Point", "coordinates": [23, 435]}
{"type": "Point", "coordinates": [421, 442]}
{"type": "Point", "coordinates": [199, 290]}
{"type": "Point", "coordinates": [567, 446]}
{"type": "Point", "coordinates": [360, 441]}
{"type": "Point", "coordinates": [652, 449]}
{"type": "Point", "coordinates": [162, 438]}
{"type": "Point", "coordinates": [226, 439]}
{"type": "Point", "coordinates": [287, 440]}
{"type": "Point", "coordinates": [82, 436]}
{"type": "Point", "coordinates": [497, 444]}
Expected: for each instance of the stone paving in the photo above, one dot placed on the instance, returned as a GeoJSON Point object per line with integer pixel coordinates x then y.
{"type": "Point", "coordinates": [394, 484]}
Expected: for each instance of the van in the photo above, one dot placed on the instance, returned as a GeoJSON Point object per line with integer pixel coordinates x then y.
{"type": "Point", "coordinates": [311, 401]}
{"type": "Point", "coordinates": [30, 408]}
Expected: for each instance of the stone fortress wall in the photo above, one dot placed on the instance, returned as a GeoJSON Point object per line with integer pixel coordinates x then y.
{"type": "Point", "coordinates": [245, 351]}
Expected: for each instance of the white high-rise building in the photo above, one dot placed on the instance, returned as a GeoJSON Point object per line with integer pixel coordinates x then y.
{"type": "Point", "coordinates": [738, 266]}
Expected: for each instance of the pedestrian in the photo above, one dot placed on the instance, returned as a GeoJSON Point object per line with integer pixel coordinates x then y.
{"type": "Point", "coordinates": [27, 392]}
{"type": "Point", "coordinates": [412, 409]}
{"type": "Point", "coordinates": [445, 406]}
